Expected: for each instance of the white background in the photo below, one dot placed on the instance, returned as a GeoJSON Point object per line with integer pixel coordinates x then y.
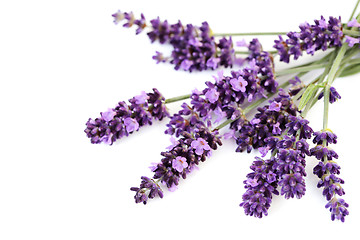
{"type": "Point", "coordinates": [62, 62]}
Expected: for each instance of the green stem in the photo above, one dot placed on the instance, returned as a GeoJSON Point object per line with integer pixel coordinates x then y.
{"type": "Point", "coordinates": [330, 80]}
{"type": "Point", "coordinates": [247, 52]}
{"type": "Point", "coordinates": [250, 107]}
{"type": "Point", "coordinates": [249, 34]}
{"type": "Point", "coordinates": [176, 99]}
{"type": "Point", "coordinates": [351, 32]}
{"type": "Point", "coordinates": [354, 10]}
{"type": "Point", "coordinates": [321, 78]}
{"type": "Point", "coordinates": [224, 124]}
{"type": "Point", "coordinates": [300, 69]}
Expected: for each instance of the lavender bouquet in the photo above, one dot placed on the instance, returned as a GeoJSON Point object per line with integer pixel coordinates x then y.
{"type": "Point", "coordinates": [250, 106]}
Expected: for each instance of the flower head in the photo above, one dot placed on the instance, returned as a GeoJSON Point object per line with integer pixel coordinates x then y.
{"type": "Point", "coordinates": [179, 163]}
{"type": "Point", "coordinates": [311, 38]}
{"type": "Point", "coordinates": [338, 209]}
{"type": "Point", "coordinates": [200, 145]}
{"type": "Point", "coordinates": [275, 106]}
{"type": "Point", "coordinates": [239, 84]}
{"type": "Point", "coordinates": [108, 115]}
{"type": "Point", "coordinates": [141, 99]}
{"type": "Point", "coordinates": [118, 16]}
{"type": "Point", "coordinates": [125, 118]}
{"type": "Point", "coordinates": [131, 124]}
{"type": "Point", "coordinates": [212, 95]}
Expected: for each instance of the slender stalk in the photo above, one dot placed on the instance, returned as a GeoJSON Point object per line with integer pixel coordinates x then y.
{"type": "Point", "coordinates": [224, 124]}
{"type": "Point", "coordinates": [176, 99]}
{"type": "Point", "coordinates": [250, 107]}
{"type": "Point", "coordinates": [354, 10]}
{"type": "Point", "coordinates": [351, 32]}
{"type": "Point", "coordinates": [330, 80]}
{"type": "Point", "coordinates": [249, 34]}
{"type": "Point", "coordinates": [301, 69]}
{"type": "Point", "coordinates": [247, 52]}
{"type": "Point", "coordinates": [312, 102]}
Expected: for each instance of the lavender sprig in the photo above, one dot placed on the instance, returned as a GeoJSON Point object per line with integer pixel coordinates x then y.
{"type": "Point", "coordinates": [261, 184]}
{"type": "Point", "coordinates": [194, 47]}
{"type": "Point", "coordinates": [321, 35]}
{"type": "Point", "coordinates": [125, 118]}
{"type": "Point", "coordinates": [289, 148]}
{"type": "Point", "coordinates": [194, 145]}
{"type": "Point", "coordinates": [326, 170]}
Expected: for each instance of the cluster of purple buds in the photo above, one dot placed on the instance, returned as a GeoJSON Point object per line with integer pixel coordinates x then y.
{"type": "Point", "coordinates": [327, 170]}
{"type": "Point", "coordinates": [286, 168]}
{"type": "Point", "coordinates": [311, 38]}
{"type": "Point", "coordinates": [194, 144]}
{"type": "Point", "coordinates": [223, 97]}
{"type": "Point", "coordinates": [270, 121]}
{"type": "Point", "coordinates": [260, 185]}
{"type": "Point", "coordinates": [125, 118]}
{"type": "Point", "coordinates": [333, 95]}
{"type": "Point", "coordinates": [194, 48]}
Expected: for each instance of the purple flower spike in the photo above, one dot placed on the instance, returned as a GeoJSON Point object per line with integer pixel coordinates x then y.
{"type": "Point", "coordinates": [311, 38]}
{"type": "Point", "coordinates": [126, 118]}
{"type": "Point", "coordinates": [179, 163]}
{"type": "Point", "coordinates": [200, 145]}
{"type": "Point", "coordinates": [338, 209]}
{"type": "Point", "coordinates": [193, 144]}
{"type": "Point", "coordinates": [327, 170]}
{"type": "Point", "coordinates": [261, 184]}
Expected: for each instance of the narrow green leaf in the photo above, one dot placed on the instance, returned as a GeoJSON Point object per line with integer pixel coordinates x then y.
{"type": "Point", "coordinates": [308, 94]}
{"type": "Point", "coordinates": [350, 70]}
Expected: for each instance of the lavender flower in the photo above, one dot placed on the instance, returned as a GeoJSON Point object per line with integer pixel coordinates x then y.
{"type": "Point", "coordinates": [194, 144]}
{"type": "Point", "coordinates": [224, 97]}
{"type": "Point", "coordinates": [200, 145]}
{"type": "Point", "coordinates": [148, 189]}
{"type": "Point", "coordinates": [338, 209]}
{"type": "Point", "coordinates": [194, 47]}
{"type": "Point", "coordinates": [125, 119]}
{"type": "Point", "coordinates": [333, 97]}
{"type": "Point", "coordinates": [293, 184]}
{"type": "Point", "coordinates": [286, 167]}
{"type": "Point", "coordinates": [311, 38]}
{"type": "Point", "coordinates": [239, 84]}
{"type": "Point", "coordinates": [179, 163]}
{"type": "Point", "coordinates": [260, 185]}
{"type": "Point", "coordinates": [327, 170]}
{"type": "Point", "coordinates": [270, 120]}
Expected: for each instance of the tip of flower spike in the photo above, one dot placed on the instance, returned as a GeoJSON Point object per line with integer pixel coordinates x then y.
{"type": "Point", "coordinates": [118, 16]}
